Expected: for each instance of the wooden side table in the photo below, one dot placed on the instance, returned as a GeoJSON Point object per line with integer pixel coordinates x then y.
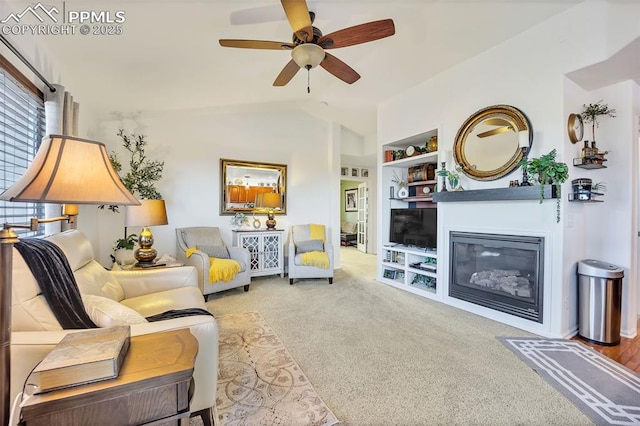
{"type": "Point", "coordinates": [152, 388]}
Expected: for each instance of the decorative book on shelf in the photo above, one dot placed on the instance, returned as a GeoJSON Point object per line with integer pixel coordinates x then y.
{"type": "Point", "coordinates": [83, 357]}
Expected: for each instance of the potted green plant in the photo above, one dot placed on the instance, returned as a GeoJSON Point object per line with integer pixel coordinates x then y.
{"type": "Point", "coordinates": [599, 187]}
{"type": "Point", "coordinates": [546, 170]}
{"type": "Point", "coordinates": [140, 180]}
{"type": "Point", "coordinates": [123, 249]}
{"type": "Point", "coordinates": [143, 173]}
{"type": "Point", "coordinates": [591, 112]}
{"type": "Point", "coordinates": [452, 177]}
{"type": "Point", "coordinates": [239, 219]}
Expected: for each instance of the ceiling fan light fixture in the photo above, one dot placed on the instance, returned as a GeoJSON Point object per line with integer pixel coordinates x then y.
{"type": "Point", "coordinates": [307, 55]}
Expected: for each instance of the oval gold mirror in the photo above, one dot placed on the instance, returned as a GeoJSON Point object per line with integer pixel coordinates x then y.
{"type": "Point", "coordinates": [243, 185]}
{"type": "Point", "coordinates": [490, 143]}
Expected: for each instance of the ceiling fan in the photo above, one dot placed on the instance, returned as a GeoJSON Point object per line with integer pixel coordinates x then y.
{"type": "Point", "coordinates": [308, 48]}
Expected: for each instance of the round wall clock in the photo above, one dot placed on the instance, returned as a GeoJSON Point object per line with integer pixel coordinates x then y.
{"type": "Point", "coordinates": [410, 151]}
{"type": "Point", "coordinates": [575, 128]}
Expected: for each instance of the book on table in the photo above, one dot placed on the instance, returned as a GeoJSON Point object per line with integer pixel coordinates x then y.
{"type": "Point", "coordinates": [83, 357]}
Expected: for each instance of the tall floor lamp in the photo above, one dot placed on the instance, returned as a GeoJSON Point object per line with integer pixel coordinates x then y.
{"type": "Point", "coordinates": [66, 170]}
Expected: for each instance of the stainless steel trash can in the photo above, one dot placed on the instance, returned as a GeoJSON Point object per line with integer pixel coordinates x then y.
{"type": "Point", "coordinates": [599, 301]}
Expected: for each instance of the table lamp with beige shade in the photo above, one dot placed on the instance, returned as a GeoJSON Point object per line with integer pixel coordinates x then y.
{"type": "Point", "coordinates": [269, 202]}
{"type": "Point", "coordinates": [148, 213]}
{"type": "Point", "coordinates": [66, 170]}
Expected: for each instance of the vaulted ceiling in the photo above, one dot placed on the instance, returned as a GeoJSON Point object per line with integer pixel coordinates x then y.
{"type": "Point", "coordinates": [168, 56]}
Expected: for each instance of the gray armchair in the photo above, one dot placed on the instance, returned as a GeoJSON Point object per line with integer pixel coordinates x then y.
{"type": "Point", "coordinates": [207, 239]}
{"type": "Point", "coordinates": [300, 242]}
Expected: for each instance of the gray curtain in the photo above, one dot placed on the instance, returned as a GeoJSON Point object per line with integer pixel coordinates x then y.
{"type": "Point", "coordinates": [61, 115]}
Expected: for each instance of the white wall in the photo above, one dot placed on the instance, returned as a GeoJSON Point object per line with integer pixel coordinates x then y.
{"type": "Point", "coordinates": [528, 73]}
{"type": "Point", "coordinates": [192, 142]}
{"type": "Point", "coordinates": [610, 227]}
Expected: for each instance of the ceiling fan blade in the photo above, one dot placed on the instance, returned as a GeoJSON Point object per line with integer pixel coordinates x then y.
{"type": "Point", "coordinates": [358, 34]}
{"type": "Point", "coordinates": [257, 44]}
{"type": "Point", "coordinates": [298, 15]}
{"type": "Point", "coordinates": [497, 131]}
{"type": "Point", "coordinates": [338, 68]}
{"type": "Point", "coordinates": [286, 74]}
{"type": "Point", "coordinates": [496, 122]}
{"type": "Point", "coordinates": [263, 14]}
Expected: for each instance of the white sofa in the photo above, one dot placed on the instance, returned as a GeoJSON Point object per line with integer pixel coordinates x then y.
{"type": "Point", "coordinates": [35, 330]}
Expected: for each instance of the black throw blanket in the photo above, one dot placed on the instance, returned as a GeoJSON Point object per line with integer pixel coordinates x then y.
{"type": "Point", "coordinates": [52, 271]}
{"type": "Point", "coordinates": [178, 313]}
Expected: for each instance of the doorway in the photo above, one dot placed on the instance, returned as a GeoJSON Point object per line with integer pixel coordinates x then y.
{"type": "Point", "coordinates": [363, 217]}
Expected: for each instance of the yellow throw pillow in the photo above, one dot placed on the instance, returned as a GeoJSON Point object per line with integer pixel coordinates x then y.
{"type": "Point", "coordinates": [316, 232]}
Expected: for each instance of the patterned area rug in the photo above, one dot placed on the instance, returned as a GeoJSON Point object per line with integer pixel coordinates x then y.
{"type": "Point", "coordinates": [604, 390]}
{"type": "Point", "coordinates": [259, 383]}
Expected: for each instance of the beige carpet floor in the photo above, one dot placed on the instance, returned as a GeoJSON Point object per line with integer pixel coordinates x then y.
{"type": "Point", "coordinates": [377, 355]}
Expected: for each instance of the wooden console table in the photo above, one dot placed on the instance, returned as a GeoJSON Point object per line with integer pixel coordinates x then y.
{"type": "Point", "coordinates": [152, 388]}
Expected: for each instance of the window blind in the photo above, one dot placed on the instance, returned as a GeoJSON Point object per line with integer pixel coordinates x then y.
{"type": "Point", "coordinates": [22, 127]}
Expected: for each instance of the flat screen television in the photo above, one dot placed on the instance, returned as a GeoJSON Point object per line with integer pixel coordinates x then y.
{"type": "Point", "coordinates": [414, 227]}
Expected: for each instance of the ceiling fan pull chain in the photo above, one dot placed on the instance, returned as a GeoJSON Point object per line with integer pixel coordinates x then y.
{"type": "Point", "coordinates": [308, 79]}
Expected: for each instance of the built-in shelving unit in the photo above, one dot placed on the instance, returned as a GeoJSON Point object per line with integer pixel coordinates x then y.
{"type": "Point", "coordinates": [409, 268]}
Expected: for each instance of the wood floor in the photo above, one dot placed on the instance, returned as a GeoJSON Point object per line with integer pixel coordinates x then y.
{"type": "Point", "coordinates": [626, 353]}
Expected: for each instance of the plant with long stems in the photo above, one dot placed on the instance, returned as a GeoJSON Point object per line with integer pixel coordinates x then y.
{"type": "Point", "coordinates": [591, 112]}
{"type": "Point", "coordinates": [143, 173]}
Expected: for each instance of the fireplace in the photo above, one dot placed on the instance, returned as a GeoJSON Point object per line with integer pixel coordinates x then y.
{"type": "Point", "coordinates": [501, 272]}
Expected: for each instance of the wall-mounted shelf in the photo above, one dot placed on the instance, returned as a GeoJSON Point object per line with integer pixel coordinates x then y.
{"type": "Point", "coordinates": [589, 163]}
{"type": "Point", "coordinates": [496, 194]}
{"type": "Point", "coordinates": [575, 197]}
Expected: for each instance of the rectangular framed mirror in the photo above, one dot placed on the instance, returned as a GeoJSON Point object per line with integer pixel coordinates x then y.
{"type": "Point", "coordinates": [243, 182]}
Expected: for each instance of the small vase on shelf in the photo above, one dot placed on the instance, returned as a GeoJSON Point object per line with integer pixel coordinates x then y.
{"type": "Point", "coordinates": [432, 145]}
{"type": "Point", "coordinates": [403, 192]}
